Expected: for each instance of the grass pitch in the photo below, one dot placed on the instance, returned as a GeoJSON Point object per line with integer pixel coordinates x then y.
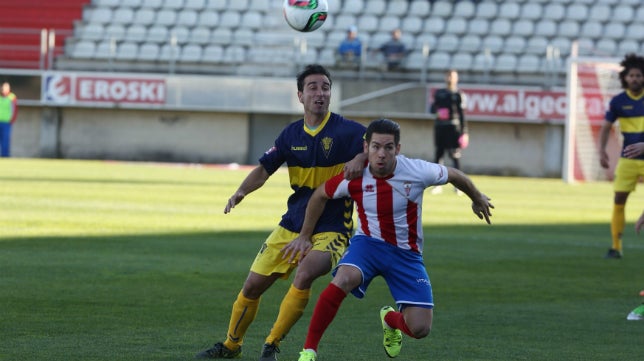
{"type": "Point", "coordinates": [136, 261]}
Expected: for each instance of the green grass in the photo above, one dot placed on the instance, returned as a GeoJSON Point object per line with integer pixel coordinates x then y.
{"type": "Point", "coordinates": [133, 261]}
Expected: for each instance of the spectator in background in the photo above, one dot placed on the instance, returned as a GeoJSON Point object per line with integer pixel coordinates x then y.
{"type": "Point", "coordinates": [350, 49]}
{"type": "Point", "coordinates": [8, 114]}
{"type": "Point", "coordinates": [394, 50]}
{"type": "Point", "coordinates": [450, 127]}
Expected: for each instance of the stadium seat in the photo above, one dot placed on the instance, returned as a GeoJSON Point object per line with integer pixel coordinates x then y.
{"type": "Point", "coordinates": [234, 54]}
{"type": "Point", "coordinates": [196, 5]}
{"type": "Point", "coordinates": [389, 23]}
{"type": "Point", "coordinates": [264, 6]}
{"type": "Point", "coordinates": [434, 25]}
{"type": "Point", "coordinates": [505, 63]}
{"type": "Point", "coordinates": [628, 46]}
{"type": "Point", "coordinates": [635, 30]}
{"type": "Point", "coordinates": [554, 11]}
{"type": "Point", "coordinates": [180, 33]}
{"type": "Point", "coordinates": [122, 15]}
{"type": "Point", "coordinates": [571, 29]}
{"type": "Point", "coordinates": [144, 16]}
{"type": "Point", "coordinates": [152, 4]}
{"type": "Point", "coordinates": [478, 27]}
{"type": "Point", "coordinates": [546, 28]}
{"type": "Point", "coordinates": [98, 15]}
{"type": "Point", "coordinates": [148, 52]}
{"type": "Point", "coordinates": [420, 8]}
{"type": "Point", "coordinates": [169, 52]}
{"type": "Point", "coordinates": [523, 27]}
{"type": "Point", "coordinates": [416, 61]}
{"type": "Point", "coordinates": [166, 17]}
{"type": "Point", "coordinates": [412, 25]}
{"type": "Point", "coordinates": [89, 31]}
{"type": "Point", "coordinates": [213, 54]}
{"type": "Point", "coordinates": [230, 19]}
{"type": "Point", "coordinates": [130, 3]}
{"type": "Point", "coordinates": [396, 7]}
{"type": "Point", "coordinates": [208, 19]}
{"type": "Point", "coordinates": [441, 9]}
{"type": "Point", "coordinates": [353, 7]}
{"type": "Point", "coordinates": [252, 20]}
{"type": "Point", "coordinates": [157, 34]}
{"type": "Point", "coordinates": [315, 39]}
{"type": "Point", "coordinates": [105, 49]}
{"type": "Point", "coordinates": [606, 47]}
{"type": "Point", "coordinates": [238, 5]}
{"type": "Point", "coordinates": [83, 49]}
{"type": "Point", "coordinates": [576, 11]}
{"type": "Point", "coordinates": [344, 21]}
{"type": "Point", "coordinates": [462, 61]}
{"type": "Point", "coordinates": [136, 33]}
{"type": "Point", "coordinates": [187, 18]}
{"type": "Point", "coordinates": [439, 60]}
{"type": "Point", "coordinates": [509, 10]}
{"type": "Point", "coordinates": [172, 4]}
{"type": "Point", "coordinates": [614, 30]}
{"type": "Point", "coordinates": [623, 13]}
{"type": "Point", "coordinates": [376, 7]}
{"type": "Point", "coordinates": [514, 45]}
{"type": "Point", "coordinates": [127, 51]}
{"type": "Point", "coordinates": [486, 9]}
{"type": "Point", "coordinates": [470, 43]}
{"type": "Point", "coordinates": [536, 45]}
{"type": "Point", "coordinates": [221, 36]}
{"type": "Point", "coordinates": [563, 44]}
{"type": "Point", "coordinates": [493, 43]}
{"type": "Point", "coordinates": [200, 35]}
{"type": "Point", "coordinates": [531, 11]}
{"type": "Point", "coordinates": [447, 43]}
{"type": "Point", "coordinates": [464, 9]}
{"type": "Point", "coordinates": [425, 39]}
{"type": "Point", "coordinates": [483, 61]}
{"type": "Point", "coordinates": [217, 4]}
{"type": "Point", "coordinates": [599, 12]}
{"type": "Point", "coordinates": [367, 23]}
{"type": "Point", "coordinates": [501, 27]}
{"type": "Point", "coordinates": [326, 57]}
{"type": "Point", "coordinates": [456, 25]}
{"type": "Point", "coordinates": [243, 36]}
{"type": "Point", "coordinates": [529, 63]}
{"type": "Point", "coordinates": [115, 31]}
{"type": "Point", "coordinates": [191, 53]}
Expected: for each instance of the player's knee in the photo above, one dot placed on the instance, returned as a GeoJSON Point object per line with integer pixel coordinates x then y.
{"type": "Point", "coordinates": [420, 331]}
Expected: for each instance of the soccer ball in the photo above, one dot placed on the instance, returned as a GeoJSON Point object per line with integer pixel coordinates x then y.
{"type": "Point", "coordinates": [305, 15]}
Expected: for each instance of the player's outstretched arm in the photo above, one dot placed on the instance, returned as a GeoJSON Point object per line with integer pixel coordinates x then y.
{"type": "Point", "coordinates": [480, 202]}
{"type": "Point", "coordinates": [253, 181]}
{"type": "Point", "coordinates": [301, 245]}
{"type": "Point", "coordinates": [353, 168]}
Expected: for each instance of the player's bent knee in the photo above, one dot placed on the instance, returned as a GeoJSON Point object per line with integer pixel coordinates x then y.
{"type": "Point", "coordinates": [420, 331]}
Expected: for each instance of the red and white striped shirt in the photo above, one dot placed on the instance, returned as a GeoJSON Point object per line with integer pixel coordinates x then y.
{"type": "Point", "coordinates": [390, 209]}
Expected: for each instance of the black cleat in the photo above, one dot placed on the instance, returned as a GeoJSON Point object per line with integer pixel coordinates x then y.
{"type": "Point", "coordinates": [613, 253]}
{"type": "Point", "coordinates": [219, 351]}
{"type": "Point", "coordinates": [268, 352]}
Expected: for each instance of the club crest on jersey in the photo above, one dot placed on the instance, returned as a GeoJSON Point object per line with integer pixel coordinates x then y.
{"type": "Point", "coordinates": [407, 187]}
{"type": "Point", "coordinates": [327, 144]}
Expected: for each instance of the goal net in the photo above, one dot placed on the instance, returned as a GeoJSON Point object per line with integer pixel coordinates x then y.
{"type": "Point", "coordinates": [591, 83]}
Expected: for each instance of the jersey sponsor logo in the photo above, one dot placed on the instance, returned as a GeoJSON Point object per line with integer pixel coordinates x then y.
{"type": "Point", "coordinates": [327, 144]}
{"type": "Point", "coordinates": [370, 188]}
{"type": "Point", "coordinates": [423, 281]}
{"type": "Point", "coordinates": [299, 148]}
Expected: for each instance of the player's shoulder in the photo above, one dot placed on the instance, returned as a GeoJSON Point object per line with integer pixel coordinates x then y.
{"type": "Point", "coordinates": [345, 122]}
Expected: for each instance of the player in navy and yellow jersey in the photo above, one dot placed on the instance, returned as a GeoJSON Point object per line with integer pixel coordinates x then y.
{"type": "Point", "coordinates": [315, 148]}
{"type": "Point", "coordinates": [626, 107]}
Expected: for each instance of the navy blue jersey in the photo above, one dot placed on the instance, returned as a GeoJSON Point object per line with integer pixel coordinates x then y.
{"type": "Point", "coordinates": [312, 157]}
{"type": "Point", "coordinates": [629, 111]}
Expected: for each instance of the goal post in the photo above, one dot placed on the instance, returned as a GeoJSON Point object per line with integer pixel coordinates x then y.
{"type": "Point", "coordinates": [591, 83]}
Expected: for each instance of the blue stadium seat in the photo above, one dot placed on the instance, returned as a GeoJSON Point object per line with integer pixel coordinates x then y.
{"type": "Point", "coordinates": [412, 25]}
{"type": "Point", "coordinates": [191, 53]}
{"type": "Point", "coordinates": [144, 16]}
{"type": "Point", "coordinates": [441, 9]}
{"type": "Point", "coordinates": [149, 52]}
{"type": "Point", "coordinates": [514, 45]}
{"type": "Point", "coordinates": [389, 23]}
{"type": "Point", "coordinates": [396, 8]}
{"type": "Point", "coordinates": [208, 19]}
{"type": "Point", "coordinates": [486, 9]}
{"type": "Point", "coordinates": [420, 8]}
{"type": "Point", "coordinates": [127, 51]}
{"type": "Point", "coordinates": [531, 11]}
{"type": "Point", "coordinates": [554, 11]}
{"type": "Point", "coordinates": [213, 54]}
{"type": "Point", "coordinates": [505, 63]}
{"type": "Point", "coordinates": [136, 33]}
{"type": "Point", "coordinates": [83, 49]}
{"type": "Point", "coordinates": [462, 61]}
{"type": "Point", "coordinates": [464, 9]}
{"type": "Point", "coordinates": [478, 26]}
{"type": "Point", "coordinates": [456, 25]}
{"type": "Point", "coordinates": [470, 43]}
{"type": "Point", "coordinates": [196, 5]}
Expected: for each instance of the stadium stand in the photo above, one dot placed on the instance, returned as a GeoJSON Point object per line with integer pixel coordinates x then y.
{"type": "Point", "coordinates": [214, 36]}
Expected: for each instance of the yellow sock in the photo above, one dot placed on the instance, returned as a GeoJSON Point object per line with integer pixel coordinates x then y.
{"type": "Point", "coordinates": [617, 226]}
{"type": "Point", "coordinates": [242, 315]}
{"type": "Point", "coordinates": [291, 310]}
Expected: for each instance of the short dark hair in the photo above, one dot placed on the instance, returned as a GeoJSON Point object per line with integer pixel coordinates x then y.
{"type": "Point", "coordinates": [631, 61]}
{"type": "Point", "coordinates": [383, 126]}
{"type": "Point", "coordinates": [310, 70]}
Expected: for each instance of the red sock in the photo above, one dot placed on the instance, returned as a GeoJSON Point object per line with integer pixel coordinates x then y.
{"type": "Point", "coordinates": [397, 320]}
{"type": "Point", "coordinates": [323, 314]}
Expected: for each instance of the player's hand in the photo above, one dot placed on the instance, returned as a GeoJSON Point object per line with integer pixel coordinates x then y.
{"type": "Point", "coordinates": [634, 150]}
{"type": "Point", "coordinates": [639, 224]}
{"type": "Point", "coordinates": [295, 250]}
{"type": "Point", "coordinates": [481, 207]}
{"type": "Point", "coordinates": [234, 200]}
{"type": "Point", "coordinates": [354, 168]}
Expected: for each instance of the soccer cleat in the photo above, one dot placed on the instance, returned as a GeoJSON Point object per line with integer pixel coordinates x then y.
{"type": "Point", "coordinates": [392, 340]}
{"type": "Point", "coordinates": [220, 351]}
{"type": "Point", "coordinates": [307, 355]}
{"type": "Point", "coordinates": [637, 314]}
{"type": "Point", "coordinates": [613, 253]}
{"type": "Point", "coordinates": [268, 352]}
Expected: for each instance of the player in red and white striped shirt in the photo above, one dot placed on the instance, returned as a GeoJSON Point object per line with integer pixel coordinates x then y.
{"type": "Point", "coordinates": [389, 238]}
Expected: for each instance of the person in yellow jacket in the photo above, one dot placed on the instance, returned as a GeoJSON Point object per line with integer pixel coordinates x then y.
{"type": "Point", "coordinates": [8, 114]}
